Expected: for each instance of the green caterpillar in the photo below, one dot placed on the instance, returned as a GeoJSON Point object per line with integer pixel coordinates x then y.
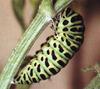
{"type": "Point", "coordinates": [56, 51]}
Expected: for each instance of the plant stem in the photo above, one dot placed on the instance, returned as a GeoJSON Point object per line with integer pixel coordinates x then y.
{"type": "Point", "coordinates": [61, 4]}
{"type": "Point", "coordinates": [31, 34]}
{"type": "Point", "coordinates": [22, 47]}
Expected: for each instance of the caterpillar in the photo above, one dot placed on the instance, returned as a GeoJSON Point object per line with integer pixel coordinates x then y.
{"type": "Point", "coordinates": [58, 49]}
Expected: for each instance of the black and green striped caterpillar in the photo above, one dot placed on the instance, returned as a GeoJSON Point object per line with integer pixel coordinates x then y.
{"type": "Point", "coordinates": [56, 51]}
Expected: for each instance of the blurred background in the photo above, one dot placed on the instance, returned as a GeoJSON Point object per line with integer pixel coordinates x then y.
{"type": "Point", "coordinates": [71, 77]}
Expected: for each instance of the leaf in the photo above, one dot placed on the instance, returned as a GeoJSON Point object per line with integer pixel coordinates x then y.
{"type": "Point", "coordinates": [18, 8]}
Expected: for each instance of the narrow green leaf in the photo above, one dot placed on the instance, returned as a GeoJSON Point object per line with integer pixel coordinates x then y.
{"type": "Point", "coordinates": [18, 8]}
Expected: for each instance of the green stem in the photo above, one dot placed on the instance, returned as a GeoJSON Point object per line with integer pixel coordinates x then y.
{"type": "Point", "coordinates": [61, 4]}
{"type": "Point", "coordinates": [21, 49]}
{"type": "Point", "coordinates": [31, 34]}
{"type": "Point", "coordinates": [23, 46]}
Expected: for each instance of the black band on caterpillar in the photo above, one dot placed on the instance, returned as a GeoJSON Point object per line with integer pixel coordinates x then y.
{"type": "Point", "coordinates": [57, 51]}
